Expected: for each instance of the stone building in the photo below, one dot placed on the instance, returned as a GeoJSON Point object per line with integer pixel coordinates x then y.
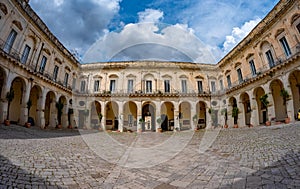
{"type": "Point", "coordinates": [167, 95]}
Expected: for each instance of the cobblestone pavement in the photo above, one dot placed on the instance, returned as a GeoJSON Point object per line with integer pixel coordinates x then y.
{"type": "Point", "coordinates": [260, 157]}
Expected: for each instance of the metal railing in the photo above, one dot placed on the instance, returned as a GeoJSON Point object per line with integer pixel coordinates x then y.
{"type": "Point", "coordinates": [16, 55]}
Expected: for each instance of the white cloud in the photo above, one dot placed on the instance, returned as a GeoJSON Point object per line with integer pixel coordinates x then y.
{"type": "Point", "coordinates": [77, 23]}
{"type": "Point", "coordinates": [150, 41]}
{"type": "Point", "coordinates": [238, 34]}
{"type": "Point", "coordinates": [150, 15]}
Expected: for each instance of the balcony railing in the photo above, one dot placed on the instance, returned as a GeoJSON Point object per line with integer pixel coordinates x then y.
{"type": "Point", "coordinates": [14, 54]}
{"type": "Point", "coordinates": [279, 59]}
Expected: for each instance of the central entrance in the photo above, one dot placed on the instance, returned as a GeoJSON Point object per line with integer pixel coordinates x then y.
{"type": "Point", "coordinates": [148, 116]}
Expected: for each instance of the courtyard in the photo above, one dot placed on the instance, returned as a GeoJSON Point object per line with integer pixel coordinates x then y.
{"type": "Point", "coordinates": [258, 157]}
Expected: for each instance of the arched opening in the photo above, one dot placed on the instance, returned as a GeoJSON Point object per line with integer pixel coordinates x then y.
{"type": "Point", "coordinates": [201, 114]}
{"type": "Point", "coordinates": [234, 111]}
{"type": "Point", "coordinates": [50, 116]}
{"type": "Point", "coordinates": [112, 116]}
{"type": "Point", "coordinates": [185, 115]}
{"type": "Point", "coordinates": [294, 80]}
{"type": "Point", "coordinates": [34, 100]}
{"type": "Point", "coordinates": [246, 107]}
{"type": "Point", "coordinates": [17, 86]}
{"type": "Point", "coordinates": [130, 116]}
{"type": "Point", "coordinates": [148, 115]}
{"type": "Point", "coordinates": [279, 104]}
{"type": "Point", "coordinates": [261, 108]}
{"type": "Point", "coordinates": [62, 116]}
{"type": "Point", "coordinates": [167, 116]}
{"type": "Point", "coordinates": [96, 115]}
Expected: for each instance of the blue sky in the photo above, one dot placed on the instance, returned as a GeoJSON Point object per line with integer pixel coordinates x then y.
{"type": "Point", "coordinates": [100, 29]}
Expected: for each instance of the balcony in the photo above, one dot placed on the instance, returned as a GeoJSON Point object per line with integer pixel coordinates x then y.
{"type": "Point", "coordinates": [261, 72]}
{"type": "Point", "coordinates": [15, 56]}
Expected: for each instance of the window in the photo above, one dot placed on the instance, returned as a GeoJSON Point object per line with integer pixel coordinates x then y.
{"type": "Point", "coordinates": [82, 86]}
{"type": "Point", "coordinates": [213, 86]}
{"type": "Point", "coordinates": [66, 80]}
{"type": "Point", "coordinates": [270, 59]}
{"type": "Point", "coordinates": [25, 54]}
{"type": "Point", "coordinates": [43, 64]}
{"type": "Point", "coordinates": [55, 72]}
{"type": "Point", "coordinates": [221, 84]}
{"type": "Point", "coordinates": [96, 85]}
{"type": "Point", "coordinates": [130, 86]}
{"type": "Point", "coordinates": [285, 46]}
{"type": "Point", "coordinates": [148, 86]}
{"type": "Point", "coordinates": [228, 81]}
{"type": "Point", "coordinates": [112, 86]}
{"type": "Point", "coordinates": [183, 86]}
{"type": "Point", "coordinates": [252, 66]}
{"type": "Point", "coordinates": [240, 75]}
{"type": "Point", "coordinates": [199, 85]}
{"type": "Point", "coordinates": [167, 86]}
{"type": "Point", "coordinates": [10, 41]}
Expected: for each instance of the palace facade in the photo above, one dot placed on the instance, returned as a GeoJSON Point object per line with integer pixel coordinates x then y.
{"type": "Point", "coordinates": [147, 95]}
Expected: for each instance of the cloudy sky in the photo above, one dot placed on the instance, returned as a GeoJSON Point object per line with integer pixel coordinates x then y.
{"type": "Point", "coordinates": [185, 30]}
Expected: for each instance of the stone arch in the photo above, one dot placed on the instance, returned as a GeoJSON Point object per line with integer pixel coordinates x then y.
{"type": "Point", "coordinates": [18, 85]}
{"type": "Point", "coordinates": [233, 104]}
{"type": "Point", "coordinates": [279, 105]}
{"type": "Point", "coordinates": [261, 109]}
{"type": "Point", "coordinates": [64, 117]}
{"type": "Point", "coordinates": [148, 115]}
{"type": "Point", "coordinates": [185, 115]}
{"type": "Point", "coordinates": [294, 18]}
{"type": "Point", "coordinates": [201, 107]}
{"type": "Point", "coordinates": [112, 115]}
{"type": "Point", "coordinates": [130, 115]}
{"type": "Point", "coordinates": [294, 81]}
{"type": "Point", "coordinates": [35, 98]}
{"type": "Point", "coordinates": [95, 114]}
{"type": "Point", "coordinates": [167, 115]}
{"type": "Point", "coordinates": [50, 110]}
{"type": "Point", "coordinates": [245, 100]}
{"type": "Point", "coordinates": [3, 8]}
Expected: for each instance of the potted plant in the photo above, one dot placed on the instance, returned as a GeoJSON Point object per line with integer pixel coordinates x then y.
{"type": "Point", "coordinates": [29, 104]}
{"type": "Point", "coordinates": [59, 105]}
{"type": "Point", "coordinates": [224, 113]}
{"type": "Point", "coordinates": [235, 113]}
{"type": "Point", "coordinates": [195, 118]}
{"type": "Point", "coordinates": [159, 122]}
{"type": "Point", "coordinates": [9, 97]}
{"type": "Point", "coordinates": [285, 96]}
{"type": "Point", "coordinates": [141, 122]}
{"type": "Point", "coordinates": [264, 100]}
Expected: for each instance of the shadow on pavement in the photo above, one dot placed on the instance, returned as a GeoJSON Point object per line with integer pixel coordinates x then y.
{"type": "Point", "coordinates": [19, 132]}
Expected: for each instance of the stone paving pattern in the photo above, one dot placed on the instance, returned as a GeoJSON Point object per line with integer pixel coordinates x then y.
{"type": "Point", "coordinates": [260, 157]}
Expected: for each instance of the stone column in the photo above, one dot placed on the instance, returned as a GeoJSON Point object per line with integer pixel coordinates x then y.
{"type": "Point", "coordinates": [139, 116]}
{"type": "Point", "coordinates": [193, 113]}
{"type": "Point", "coordinates": [158, 115]}
{"type": "Point", "coordinates": [176, 117]}
{"type": "Point", "coordinates": [208, 118]}
{"type": "Point", "coordinates": [64, 116]}
{"type": "Point", "coordinates": [290, 102]}
{"type": "Point", "coordinates": [103, 112]}
{"type": "Point", "coordinates": [120, 116]}
{"type": "Point", "coordinates": [241, 113]}
{"type": "Point", "coordinates": [41, 110]}
{"type": "Point", "coordinates": [24, 110]}
{"type": "Point", "coordinates": [254, 119]}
